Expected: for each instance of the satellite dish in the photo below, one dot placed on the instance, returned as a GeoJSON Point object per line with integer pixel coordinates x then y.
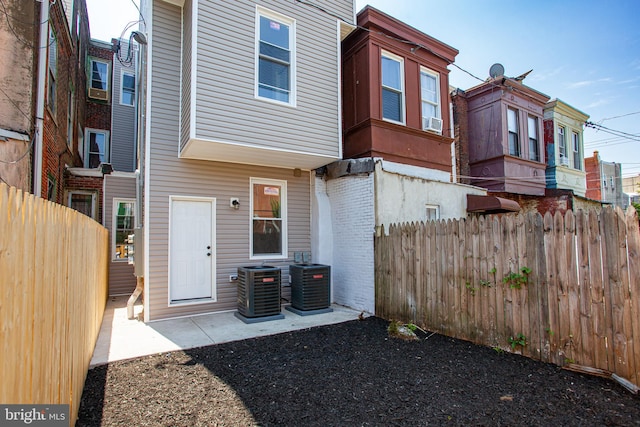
{"type": "Point", "coordinates": [496, 70]}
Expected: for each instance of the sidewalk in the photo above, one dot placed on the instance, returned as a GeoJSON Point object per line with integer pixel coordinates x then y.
{"type": "Point", "coordinates": [121, 338]}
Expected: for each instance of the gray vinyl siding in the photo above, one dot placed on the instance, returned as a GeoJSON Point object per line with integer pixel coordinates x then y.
{"type": "Point", "coordinates": [123, 125]}
{"type": "Point", "coordinates": [172, 176]}
{"type": "Point", "coordinates": [226, 107]}
{"type": "Point", "coordinates": [121, 278]}
{"type": "Point", "coordinates": [186, 73]}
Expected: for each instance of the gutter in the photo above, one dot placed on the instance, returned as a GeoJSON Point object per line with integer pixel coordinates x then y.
{"type": "Point", "coordinates": [42, 77]}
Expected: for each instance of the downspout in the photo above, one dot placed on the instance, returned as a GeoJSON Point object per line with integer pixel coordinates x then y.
{"type": "Point", "coordinates": [140, 120]}
{"type": "Point", "coordinates": [42, 77]}
{"type": "Point", "coordinates": [454, 176]}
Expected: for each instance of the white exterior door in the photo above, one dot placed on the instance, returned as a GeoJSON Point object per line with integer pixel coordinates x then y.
{"type": "Point", "coordinates": [191, 249]}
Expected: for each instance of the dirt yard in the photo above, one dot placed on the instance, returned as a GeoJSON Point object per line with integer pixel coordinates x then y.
{"type": "Point", "coordinates": [350, 374]}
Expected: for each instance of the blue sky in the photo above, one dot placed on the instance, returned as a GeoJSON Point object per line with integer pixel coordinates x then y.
{"type": "Point", "coordinates": [584, 52]}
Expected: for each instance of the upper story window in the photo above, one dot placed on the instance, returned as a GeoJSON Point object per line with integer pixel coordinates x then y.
{"type": "Point", "coordinates": [70, 117]}
{"type": "Point", "coordinates": [83, 201]}
{"type": "Point", "coordinates": [97, 147]}
{"type": "Point", "coordinates": [430, 96]}
{"type": "Point", "coordinates": [127, 88]}
{"type": "Point", "coordinates": [393, 88]}
{"type": "Point", "coordinates": [562, 143]}
{"type": "Point", "coordinates": [268, 218]}
{"type": "Point", "coordinates": [534, 149]}
{"type": "Point", "coordinates": [275, 46]}
{"type": "Point", "coordinates": [99, 80]}
{"type": "Point", "coordinates": [575, 142]}
{"type": "Point", "coordinates": [53, 70]}
{"type": "Point", "coordinates": [514, 135]}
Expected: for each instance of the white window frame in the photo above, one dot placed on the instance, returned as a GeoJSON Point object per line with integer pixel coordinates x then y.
{"type": "Point", "coordinates": [94, 198]}
{"type": "Point", "coordinates": [432, 208]}
{"type": "Point", "coordinates": [52, 70]}
{"type": "Point", "coordinates": [283, 218]}
{"type": "Point", "coordinates": [114, 225]}
{"type": "Point", "coordinates": [403, 113]}
{"type": "Point", "coordinates": [575, 147]}
{"type": "Point", "coordinates": [291, 23]}
{"type": "Point", "coordinates": [107, 64]}
{"type": "Point", "coordinates": [536, 139]}
{"type": "Point", "coordinates": [518, 147]}
{"type": "Point", "coordinates": [87, 149]}
{"type": "Point", "coordinates": [430, 73]}
{"type": "Point", "coordinates": [562, 141]}
{"type": "Point", "coordinates": [133, 99]}
{"type": "Point", "coordinates": [71, 117]}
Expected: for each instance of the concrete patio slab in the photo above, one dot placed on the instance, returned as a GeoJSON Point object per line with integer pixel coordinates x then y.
{"type": "Point", "coordinates": [121, 338]}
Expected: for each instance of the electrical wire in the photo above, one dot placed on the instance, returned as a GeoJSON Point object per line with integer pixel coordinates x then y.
{"type": "Point", "coordinates": [139, 12]}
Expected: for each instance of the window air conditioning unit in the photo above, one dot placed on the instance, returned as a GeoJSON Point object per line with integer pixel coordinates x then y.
{"type": "Point", "coordinates": [433, 124]}
{"type": "Point", "coordinates": [564, 161]}
{"type": "Point", "coordinates": [98, 94]}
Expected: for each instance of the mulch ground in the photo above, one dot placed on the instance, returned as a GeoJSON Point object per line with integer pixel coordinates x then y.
{"type": "Point", "coordinates": [350, 374]}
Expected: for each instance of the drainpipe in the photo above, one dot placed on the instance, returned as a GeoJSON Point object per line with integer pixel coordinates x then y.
{"type": "Point", "coordinates": [454, 176]}
{"type": "Point", "coordinates": [42, 77]}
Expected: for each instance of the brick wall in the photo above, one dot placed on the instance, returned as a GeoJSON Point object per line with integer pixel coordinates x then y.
{"type": "Point", "coordinates": [594, 185]}
{"type": "Point", "coordinates": [56, 151]}
{"type": "Point", "coordinates": [549, 141]}
{"type": "Point", "coordinates": [98, 113]}
{"type": "Point", "coordinates": [461, 129]}
{"type": "Point", "coordinates": [352, 212]}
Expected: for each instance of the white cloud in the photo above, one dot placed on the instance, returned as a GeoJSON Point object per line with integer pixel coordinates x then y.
{"type": "Point", "coordinates": [585, 83]}
{"type": "Point", "coordinates": [599, 103]}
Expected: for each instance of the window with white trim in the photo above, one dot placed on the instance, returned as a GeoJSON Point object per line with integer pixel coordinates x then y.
{"type": "Point", "coordinates": [392, 69]}
{"type": "Point", "coordinates": [430, 96]}
{"type": "Point", "coordinates": [97, 147]}
{"type": "Point", "coordinates": [70, 117]}
{"type": "Point", "coordinates": [99, 79]}
{"type": "Point", "coordinates": [575, 142]}
{"type": "Point", "coordinates": [53, 70]}
{"type": "Point", "coordinates": [514, 134]}
{"type": "Point", "coordinates": [127, 88]}
{"type": "Point", "coordinates": [268, 218]}
{"type": "Point", "coordinates": [83, 201]}
{"type": "Point", "coordinates": [433, 212]}
{"type": "Point", "coordinates": [275, 56]}
{"type": "Point", "coordinates": [562, 143]}
{"type": "Point", "coordinates": [534, 149]}
{"type": "Point", "coordinates": [124, 221]}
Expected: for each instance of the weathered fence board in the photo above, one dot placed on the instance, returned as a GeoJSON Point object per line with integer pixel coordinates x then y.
{"type": "Point", "coordinates": [53, 290]}
{"type": "Point", "coordinates": [567, 287]}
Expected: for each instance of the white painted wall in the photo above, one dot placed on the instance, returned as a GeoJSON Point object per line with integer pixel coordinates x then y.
{"type": "Point", "coordinates": [321, 224]}
{"type": "Point", "coordinates": [402, 195]}
{"type": "Point", "coordinates": [352, 214]}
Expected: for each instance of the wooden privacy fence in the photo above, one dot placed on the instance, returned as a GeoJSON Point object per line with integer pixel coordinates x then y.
{"type": "Point", "coordinates": [557, 289]}
{"type": "Point", "coordinates": [53, 291]}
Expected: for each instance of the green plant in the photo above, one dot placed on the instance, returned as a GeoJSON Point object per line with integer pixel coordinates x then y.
{"type": "Point", "coordinates": [469, 286]}
{"type": "Point", "coordinates": [497, 349]}
{"type": "Point", "coordinates": [485, 283]}
{"type": "Point", "coordinates": [569, 360]}
{"type": "Point", "coordinates": [411, 327]}
{"type": "Point", "coordinates": [549, 331]}
{"type": "Point", "coordinates": [519, 340]}
{"type": "Point", "coordinates": [516, 280]}
{"type": "Point", "coordinates": [275, 208]}
{"type": "Point", "coordinates": [492, 271]}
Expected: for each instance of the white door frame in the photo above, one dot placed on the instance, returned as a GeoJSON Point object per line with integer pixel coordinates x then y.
{"type": "Point", "coordinates": [212, 201]}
